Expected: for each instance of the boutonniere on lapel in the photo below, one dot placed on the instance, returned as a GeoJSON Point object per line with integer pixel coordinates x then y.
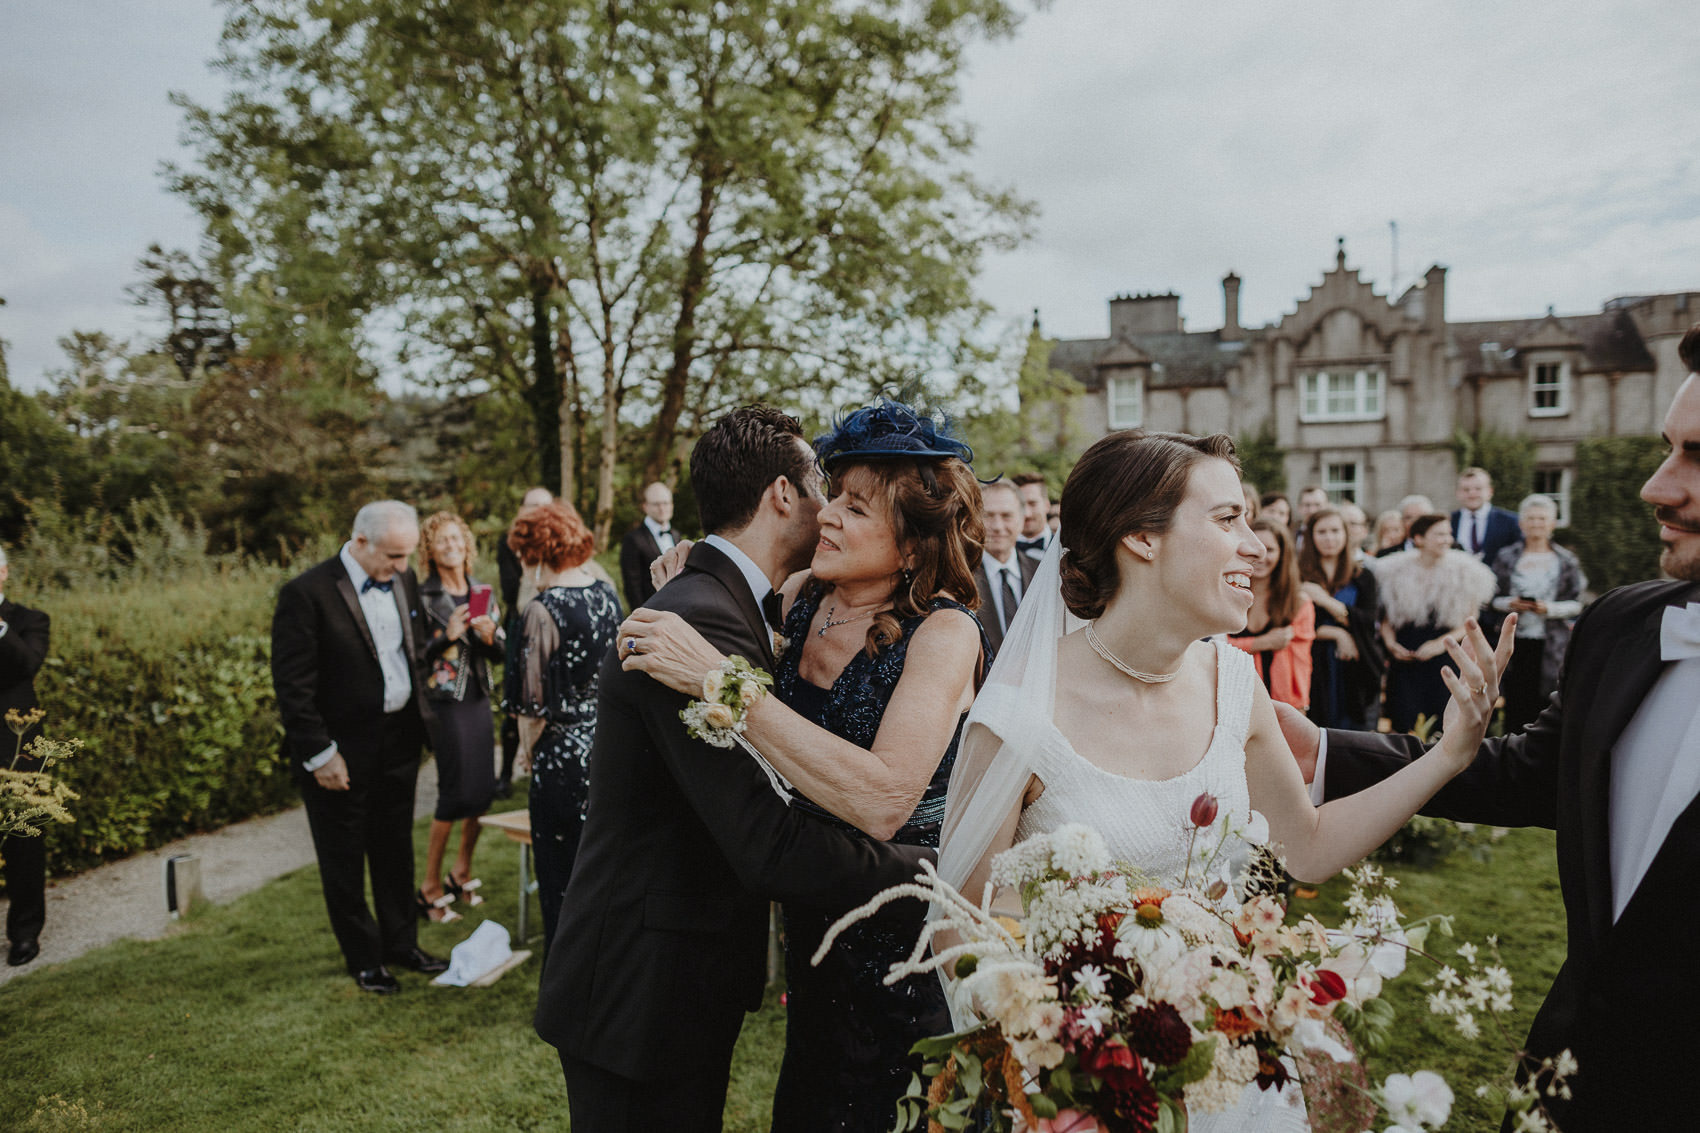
{"type": "Point", "coordinates": [780, 644]}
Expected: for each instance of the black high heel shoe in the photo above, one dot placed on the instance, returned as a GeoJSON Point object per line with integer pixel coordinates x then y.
{"type": "Point", "coordinates": [438, 911]}
{"type": "Point", "coordinates": [464, 891]}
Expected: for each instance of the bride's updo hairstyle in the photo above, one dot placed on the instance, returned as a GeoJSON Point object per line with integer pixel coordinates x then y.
{"type": "Point", "coordinates": [1126, 483]}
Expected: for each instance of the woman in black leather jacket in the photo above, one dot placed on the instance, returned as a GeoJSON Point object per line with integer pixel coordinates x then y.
{"type": "Point", "coordinates": [459, 651]}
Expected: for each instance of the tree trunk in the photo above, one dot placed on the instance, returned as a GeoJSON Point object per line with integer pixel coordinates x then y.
{"type": "Point", "coordinates": [545, 393]}
{"type": "Point", "coordinates": [570, 412]}
{"type": "Point", "coordinates": [609, 452]}
{"type": "Point", "coordinates": [676, 381]}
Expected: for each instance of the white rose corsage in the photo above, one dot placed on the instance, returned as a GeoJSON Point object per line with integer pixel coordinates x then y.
{"type": "Point", "coordinates": [729, 691]}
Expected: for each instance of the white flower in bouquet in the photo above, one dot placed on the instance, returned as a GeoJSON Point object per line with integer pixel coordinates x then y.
{"type": "Point", "coordinates": [1354, 965]}
{"type": "Point", "coordinates": [1417, 1101]}
{"type": "Point", "coordinates": [1078, 850]}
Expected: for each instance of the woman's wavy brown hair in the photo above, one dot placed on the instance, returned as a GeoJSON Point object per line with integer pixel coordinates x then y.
{"type": "Point", "coordinates": [1310, 560]}
{"type": "Point", "coordinates": [433, 527]}
{"type": "Point", "coordinates": [1127, 482]}
{"type": "Point", "coordinates": [552, 534]}
{"type": "Point", "coordinates": [935, 518]}
{"type": "Point", "coordinates": [1282, 601]}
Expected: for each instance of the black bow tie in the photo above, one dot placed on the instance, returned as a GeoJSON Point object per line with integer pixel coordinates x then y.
{"type": "Point", "coordinates": [667, 531]}
{"type": "Point", "coordinates": [772, 611]}
{"type": "Point", "coordinates": [1026, 545]}
{"type": "Point", "coordinates": [374, 584]}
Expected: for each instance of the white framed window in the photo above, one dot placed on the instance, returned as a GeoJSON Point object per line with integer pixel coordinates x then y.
{"type": "Point", "coordinates": [1342, 481]}
{"type": "Point", "coordinates": [1343, 395]}
{"type": "Point", "coordinates": [1127, 402]}
{"type": "Point", "coordinates": [1549, 389]}
{"type": "Point", "coordinates": [1555, 482]}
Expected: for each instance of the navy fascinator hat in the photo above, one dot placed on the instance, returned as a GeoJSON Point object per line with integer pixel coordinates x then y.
{"type": "Point", "coordinates": [888, 430]}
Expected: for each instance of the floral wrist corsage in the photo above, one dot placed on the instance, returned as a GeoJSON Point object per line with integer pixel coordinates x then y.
{"type": "Point", "coordinates": [728, 693]}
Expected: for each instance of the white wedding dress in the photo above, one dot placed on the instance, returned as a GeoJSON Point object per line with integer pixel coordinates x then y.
{"type": "Point", "coordinates": [1145, 824]}
{"type": "Point", "coordinates": [1011, 737]}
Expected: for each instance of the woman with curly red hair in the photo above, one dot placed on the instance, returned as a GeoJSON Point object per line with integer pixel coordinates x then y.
{"type": "Point", "coordinates": [564, 633]}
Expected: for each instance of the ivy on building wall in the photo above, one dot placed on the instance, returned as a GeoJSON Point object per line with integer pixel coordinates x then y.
{"type": "Point", "coordinates": [1611, 529]}
{"type": "Point", "coordinates": [1262, 459]}
{"type": "Point", "coordinates": [1509, 460]}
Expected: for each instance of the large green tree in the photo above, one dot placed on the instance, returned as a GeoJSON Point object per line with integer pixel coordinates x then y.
{"type": "Point", "coordinates": [628, 216]}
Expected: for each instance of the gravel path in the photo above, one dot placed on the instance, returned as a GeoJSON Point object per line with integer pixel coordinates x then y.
{"type": "Point", "coordinates": [127, 898]}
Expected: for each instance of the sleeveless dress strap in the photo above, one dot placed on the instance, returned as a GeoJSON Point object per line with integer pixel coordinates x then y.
{"type": "Point", "coordinates": [1236, 681]}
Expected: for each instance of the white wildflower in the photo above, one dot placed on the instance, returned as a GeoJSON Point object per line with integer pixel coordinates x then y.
{"type": "Point", "coordinates": [1417, 1100]}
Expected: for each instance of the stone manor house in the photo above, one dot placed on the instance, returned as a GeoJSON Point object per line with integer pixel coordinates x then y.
{"type": "Point", "coordinates": [1365, 393]}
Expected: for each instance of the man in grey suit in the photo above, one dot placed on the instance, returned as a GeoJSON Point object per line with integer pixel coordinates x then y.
{"type": "Point", "coordinates": [1001, 574]}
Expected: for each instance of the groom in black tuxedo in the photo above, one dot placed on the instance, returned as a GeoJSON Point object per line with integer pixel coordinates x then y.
{"type": "Point", "coordinates": [346, 668]}
{"type": "Point", "coordinates": [661, 944]}
{"type": "Point", "coordinates": [1613, 764]}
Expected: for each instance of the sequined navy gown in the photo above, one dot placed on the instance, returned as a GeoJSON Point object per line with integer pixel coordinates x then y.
{"type": "Point", "coordinates": [847, 1034]}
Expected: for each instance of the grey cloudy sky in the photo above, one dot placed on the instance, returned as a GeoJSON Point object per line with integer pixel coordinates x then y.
{"type": "Point", "coordinates": [1545, 152]}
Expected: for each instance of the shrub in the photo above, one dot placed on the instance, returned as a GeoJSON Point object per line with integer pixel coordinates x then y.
{"type": "Point", "coordinates": [1610, 529]}
{"type": "Point", "coordinates": [160, 663]}
{"type": "Point", "coordinates": [169, 686]}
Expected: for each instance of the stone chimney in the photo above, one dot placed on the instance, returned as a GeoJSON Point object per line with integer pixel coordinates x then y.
{"type": "Point", "coordinates": [1434, 297]}
{"type": "Point", "coordinates": [1231, 308]}
{"type": "Point", "coordinates": [1132, 315]}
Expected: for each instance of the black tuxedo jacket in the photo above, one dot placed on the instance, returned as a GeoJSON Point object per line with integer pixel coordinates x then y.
{"type": "Point", "coordinates": [988, 612]}
{"type": "Point", "coordinates": [23, 648]}
{"type": "Point", "coordinates": [1618, 980]}
{"type": "Point", "coordinates": [662, 937]}
{"type": "Point", "coordinates": [637, 550]}
{"type": "Point", "coordinates": [1502, 530]}
{"type": "Point", "coordinates": [325, 667]}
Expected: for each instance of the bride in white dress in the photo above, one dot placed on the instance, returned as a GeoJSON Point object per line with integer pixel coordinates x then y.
{"type": "Point", "coordinates": [1106, 707]}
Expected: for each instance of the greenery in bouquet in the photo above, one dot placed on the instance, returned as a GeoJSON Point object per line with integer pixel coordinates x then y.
{"type": "Point", "coordinates": [1113, 1005]}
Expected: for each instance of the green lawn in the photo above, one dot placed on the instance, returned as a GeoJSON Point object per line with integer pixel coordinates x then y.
{"type": "Point", "coordinates": [244, 1019]}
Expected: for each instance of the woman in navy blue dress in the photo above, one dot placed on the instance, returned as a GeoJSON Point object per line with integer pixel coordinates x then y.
{"type": "Point", "coordinates": [565, 632]}
{"type": "Point", "coordinates": [882, 655]}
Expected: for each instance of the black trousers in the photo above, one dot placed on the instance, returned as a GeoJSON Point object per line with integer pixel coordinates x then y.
{"type": "Point", "coordinates": [691, 1099]}
{"type": "Point", "coordinates": [26, 886]}
{"type": "Point", "coordinates": [370, 827]}
{"type": "Point", "coordinates": [26, 866]}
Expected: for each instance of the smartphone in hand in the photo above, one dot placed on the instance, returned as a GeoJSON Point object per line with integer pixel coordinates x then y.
{"type": "Point", "coordinates": [478, 602]}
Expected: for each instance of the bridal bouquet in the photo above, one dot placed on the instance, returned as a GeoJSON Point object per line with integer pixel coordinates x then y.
{"type": "Point", "coordinates": [1114, 1005]}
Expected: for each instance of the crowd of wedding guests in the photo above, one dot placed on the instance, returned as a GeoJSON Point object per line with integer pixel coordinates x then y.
{"type": "Point", "coordinates": [354, 730]}
{"type": "Point", "coordinates": [876, 579]}
{"type": "Point", "coordinates": [1349, 625]}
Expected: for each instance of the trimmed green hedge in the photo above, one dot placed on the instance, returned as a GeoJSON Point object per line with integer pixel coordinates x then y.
{"type": "Point", "coordinates": [168, 683]}
{"type": "Point", "coordinates": [1611, 529]}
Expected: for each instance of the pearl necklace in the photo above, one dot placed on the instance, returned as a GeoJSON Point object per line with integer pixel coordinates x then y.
{"type": "Point", "coordinates": [1103, 651]}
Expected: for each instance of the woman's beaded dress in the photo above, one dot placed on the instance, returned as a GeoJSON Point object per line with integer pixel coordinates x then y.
{"type": "Point", "coordinates": [848, 1034]}
{"type": "Point", "coordinates": [567, 631]}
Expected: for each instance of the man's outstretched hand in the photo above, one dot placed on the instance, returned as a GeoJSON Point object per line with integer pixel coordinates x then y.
{"type": "Point", "coordinates": [1301, 735]}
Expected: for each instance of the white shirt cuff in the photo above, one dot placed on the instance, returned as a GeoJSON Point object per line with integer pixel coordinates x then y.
{"type": "Point", "coordinates": [1317, 794]}
{"type": "Point", "coordinates": [324, 757]}
{"type": "Point", "coordinates": [3, 628]}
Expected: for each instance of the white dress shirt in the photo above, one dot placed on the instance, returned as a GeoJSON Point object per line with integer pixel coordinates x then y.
{"type": "Point", "coordinates": [1655, 774]}
{"type": "Point", "coordinates": [664, 537]}
{"type": "Point", "coordinates": [383, 620]}
{"type": "Point", "coordinates": [1467, 528]}
{"type": "Point", "coordinates": [3, 624]}
{"type": "Point", "coordinates": [1011, 570]}
{"type": "Point", "coordinates": [760, 584]}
